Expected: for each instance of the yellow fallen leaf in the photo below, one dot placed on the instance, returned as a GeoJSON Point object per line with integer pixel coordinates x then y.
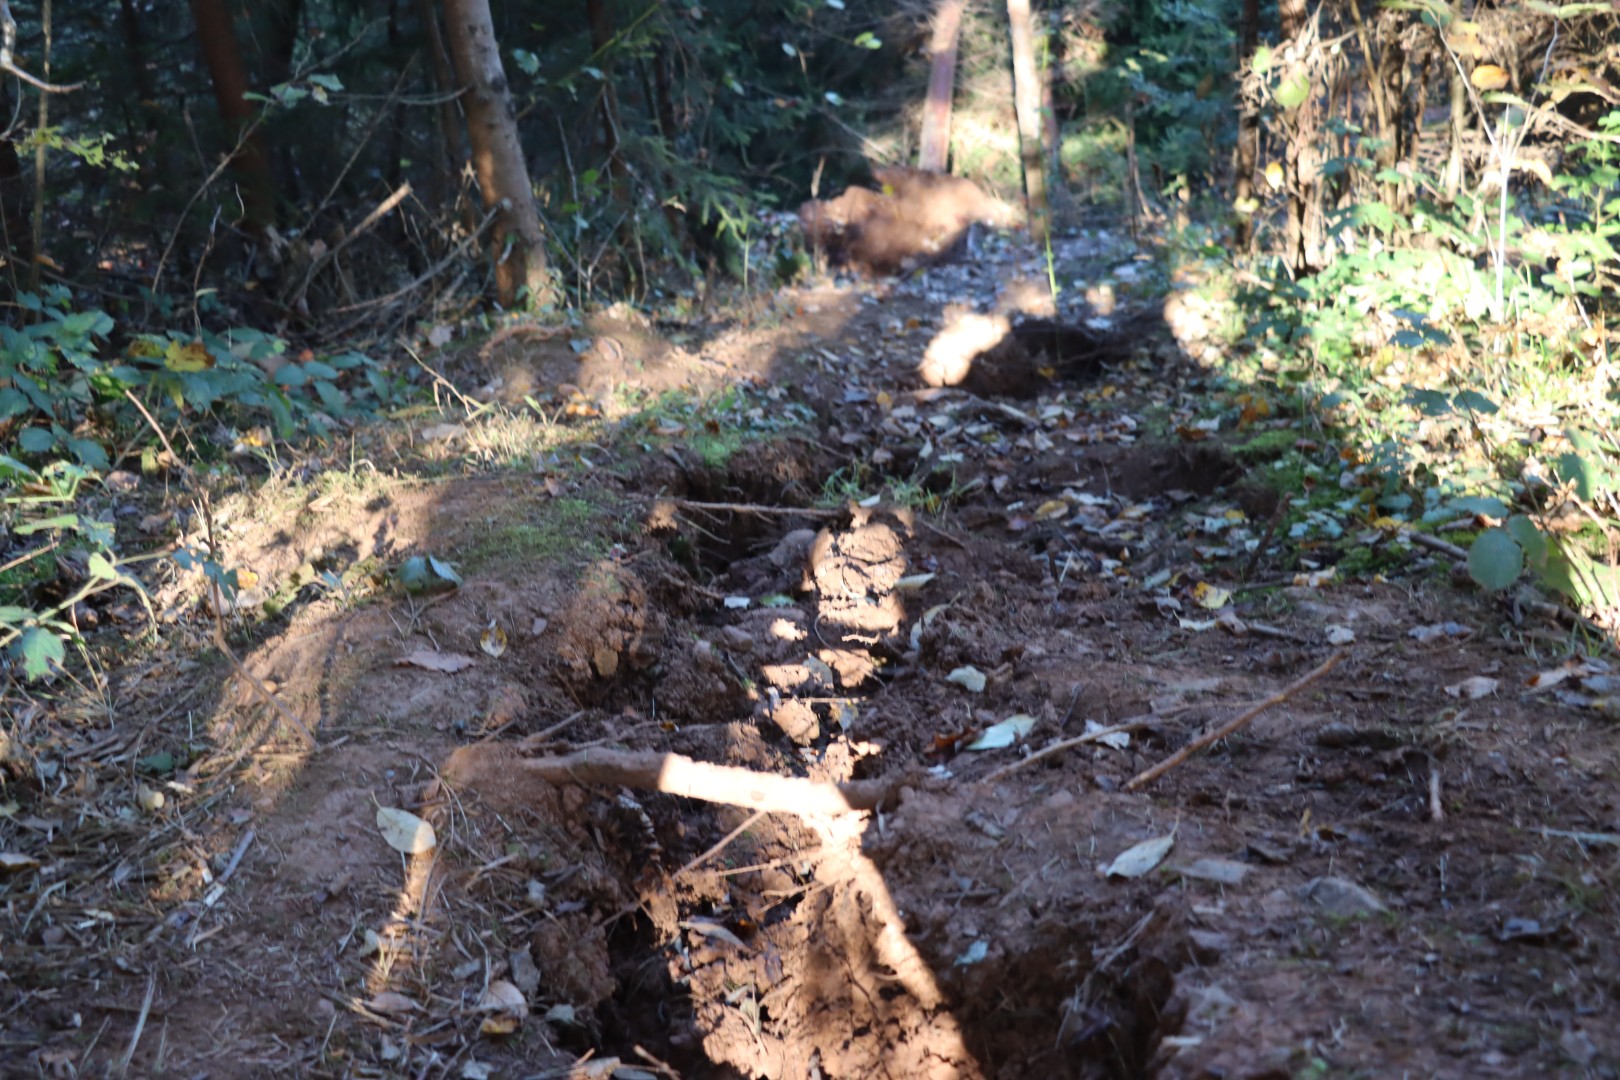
{"type": "Point", "coordinates": [1211, 597]}
{"type": "Point", "coordinates": [193, 356]}
{"type": "Point", "coordinates": [493, 640]}
{"type": "Point", "coordinates": [1274, 175]}
{"type": "Point", "coordinates": [1488, 77]}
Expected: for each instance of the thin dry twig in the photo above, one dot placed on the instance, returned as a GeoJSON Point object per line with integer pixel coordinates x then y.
{"type": "Point", "coordinates": [1135, 723]}
{"type": "Point", "coordinates": [8, 46]}
{"type": "Point", "coordinates": [427, 275]}
{"type": "Point", "coordinates": [1436, 813]}
{"type": "Point", "coordinates": [529, 742]}
{"type": "Point", "coordinates": [753, 819]}
{"type": "Point", "coordinates": [1236, 724]}
{"type": "Point", "coordinates": [1434, 543]}
{"type": "Point", "coordinates": [140, 1025]}
{"type": "Point", "coordinates": [752, 508]}
{"type": "Point", "coordinates": [378, 212]}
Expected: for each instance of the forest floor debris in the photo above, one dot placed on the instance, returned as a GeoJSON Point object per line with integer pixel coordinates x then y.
{"type": "Point", "coordinates": [994, 612]}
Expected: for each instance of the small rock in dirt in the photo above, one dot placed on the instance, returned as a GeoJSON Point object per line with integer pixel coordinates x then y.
{"type": "Point", "coordinates": [1209, 1006]}
{"type": "Point", "coordinates": [1340, 897]}
{"type": "Point", "coordinates": [1336, 736]}
{"type": "Point", "coordinates": [735, 637]}
{"type": "Point", "coordinates": [1208, 945]}
{"type": "Point", "coordinates": [797, 720]}
{"type": "Point", "coordinates": [1578, 1047]}
{"type": "Point", "coordinates": [1268, 852]}
{"type": "Point", "coordinates": [791, 550]}
{"type": "Point", "coordinates": [1220, 871]}
{"type": "Point", "coordinates": [506, 704]}
{"type": "Point", "coordinates": [525, 976]}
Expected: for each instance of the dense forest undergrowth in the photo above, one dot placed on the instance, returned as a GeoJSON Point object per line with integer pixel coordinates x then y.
{"type": "Point", "coordinates": [822, 539]}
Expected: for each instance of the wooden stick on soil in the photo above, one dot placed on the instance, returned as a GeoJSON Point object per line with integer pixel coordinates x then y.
{"type": "Point", "coordinates": [754, 508]}
{"type": "Point", "coordinates": [1234, 725]}
{"type": "Point", "coordinates": [1134, 724]}
{"type": "Point", "coordinates": [678, 775]}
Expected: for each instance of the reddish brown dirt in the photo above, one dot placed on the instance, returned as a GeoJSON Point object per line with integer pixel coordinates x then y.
{"type": "Point", "coordinates": [1311, 919]}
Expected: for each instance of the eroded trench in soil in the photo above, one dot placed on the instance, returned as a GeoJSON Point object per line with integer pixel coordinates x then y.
{"type": "Point", "coordinates": [961, 931]}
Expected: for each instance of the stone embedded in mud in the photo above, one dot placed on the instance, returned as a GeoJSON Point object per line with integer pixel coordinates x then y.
{"type": "Point", "coordinates": [797, 720]}
{"type": "Point", "coordinates": [858, 563]}
{"type": "Point", "coordinates": [1340, 897]}
{"type": "Point", "coordinates": [609, 625]}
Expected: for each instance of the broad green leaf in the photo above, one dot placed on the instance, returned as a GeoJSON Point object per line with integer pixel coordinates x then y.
{"type": "Point", "coordinates": [1294, 89]}
{"type": "Point", "coordinates": [38, 648]}
{"type": "Point", "coordinates": [1480, 504]}
{"type": "Point", "coordinates": [36, 440]}
{"type": "Point", "coordinates": [1583, 472]}
{"type": "Point", "coordinates": [1476, 402]}
{"type": "Point", "coordinates": [1530, 538]}
{"type": "Point", "coordinates": [1429, 402]}
{"type": "Point", "coordinates": [101, 568]}
{"type": "Point", "coordinates": [1496, 560]}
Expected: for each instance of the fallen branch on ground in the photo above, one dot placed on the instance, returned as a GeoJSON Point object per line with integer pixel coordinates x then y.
{"type": "Point", "coordinates": [678, 775]}
{"type": "Point", "coordinates": [1231, 727]}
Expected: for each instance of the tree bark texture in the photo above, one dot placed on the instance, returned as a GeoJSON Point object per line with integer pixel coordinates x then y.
{"type": "Point", "coordinates": [451, 153]}
{"type": "Point", "coordinates": [1027, 101]}
{"type": "Point", "coordinates": [1302, 160]}
{"type": "Point", "coordinates": [934, 148]}
{"type": "Point", "coordinates": [519, 247]}
{"type": "Point", "coordinates": [216, 37]}
{"type": "Point", "coordinates": [16, 244]}
{"type": "Point", "coordinates": [1248, 140]}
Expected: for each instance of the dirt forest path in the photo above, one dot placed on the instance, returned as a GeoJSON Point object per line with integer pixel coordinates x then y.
{"type": "Point", "coordinates": [770, 545]}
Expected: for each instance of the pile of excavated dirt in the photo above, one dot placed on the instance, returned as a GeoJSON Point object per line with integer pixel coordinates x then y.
{"type": "Point", "coordinates": [1377, 876]}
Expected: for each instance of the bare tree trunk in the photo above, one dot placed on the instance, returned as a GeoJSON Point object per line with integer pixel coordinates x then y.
{"type": "Point", "coordinates": [1248, 140]}
{"type": "Point", "coordinates": [451, 154]}
{"type": "Point", "coordinates": [934, 148]}
{"type": "Point", "coordinates": [38, 242]}
{"type": "Point", "coordinates": [519, 247]}
{"type": "Point", "coordinates": [216, 36]}
{"type": "Point", "coordinates": [1302, 154]}
{"type": "Point", "coordinates": [16, 246]}
{"type": "Point", "coordinates": [1027, 101]}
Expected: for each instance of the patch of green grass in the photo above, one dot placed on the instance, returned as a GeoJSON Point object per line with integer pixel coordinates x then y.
{"type": "Point", "coordinates": [714, 428]}
{"type": "Point", "coordinates": [716, 448]}
{"type": "Point", "coordinates": [1267, 445]}
{"type": "Point", "coordinates": [543, 532]}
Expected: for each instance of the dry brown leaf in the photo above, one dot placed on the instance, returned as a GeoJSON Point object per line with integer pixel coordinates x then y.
{"type": "Point", "coordinates": [433, 660]}
{"type": "Point", "coordinates": [405, 832]}
{"type": "Point", "coordinates": [390, 1002]}
{"type": "Point", "coordinates": [12, 862]}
